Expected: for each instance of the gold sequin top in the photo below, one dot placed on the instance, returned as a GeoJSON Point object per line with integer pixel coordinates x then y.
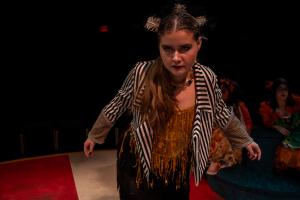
{"type": "Point", "coordinates": [170, 151]}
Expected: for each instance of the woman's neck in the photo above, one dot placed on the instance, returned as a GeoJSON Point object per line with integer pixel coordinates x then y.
{"type": "Point", "coordinates": [185, 82]}
{"type": "Point", "coordinates": [281, 104]}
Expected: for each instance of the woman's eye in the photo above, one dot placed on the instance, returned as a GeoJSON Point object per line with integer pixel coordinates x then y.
{"type": "Point", "coordinates": [184, 49]}
{"type": "Point", "coordinates": [181, 49]}
{"type": "Point", "coordinates": [168, 49]}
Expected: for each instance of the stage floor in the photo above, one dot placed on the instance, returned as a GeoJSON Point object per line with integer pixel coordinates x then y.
{"type": "Point", "coordinates": [49, 176]}
{"type": "Point", "coordinates": [95, 178]}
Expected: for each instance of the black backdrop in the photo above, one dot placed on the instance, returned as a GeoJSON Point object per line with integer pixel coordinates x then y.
{"type": "Point", "coordinates": [58, 66]}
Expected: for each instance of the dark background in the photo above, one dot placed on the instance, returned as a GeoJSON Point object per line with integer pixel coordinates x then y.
{"type": "Point", "coordinates": [58, 69]}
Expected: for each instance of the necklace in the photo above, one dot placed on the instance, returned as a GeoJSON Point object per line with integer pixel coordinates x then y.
{"type": "Point", "coordinates": [189, 80]}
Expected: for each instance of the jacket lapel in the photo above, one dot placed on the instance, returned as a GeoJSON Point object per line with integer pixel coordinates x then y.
{"type": "Point", "coordinates": [203, 91]}
{"type": "Point", "coordinates": [203, 120]}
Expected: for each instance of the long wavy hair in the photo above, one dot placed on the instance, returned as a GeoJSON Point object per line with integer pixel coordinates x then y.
{"type": "Point", "coordinates": [159, 102]}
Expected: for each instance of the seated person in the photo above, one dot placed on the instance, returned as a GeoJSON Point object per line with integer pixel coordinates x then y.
{"type": "Point", "coordinates": [282, 113]}
{"type": "Point", "coordinates": [222, 154]}
{"type": "Point", "coordinates": [231, 96]}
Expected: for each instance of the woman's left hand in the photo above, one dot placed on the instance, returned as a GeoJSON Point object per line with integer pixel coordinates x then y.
{"type": "Point", "coordinates": [254, 151]}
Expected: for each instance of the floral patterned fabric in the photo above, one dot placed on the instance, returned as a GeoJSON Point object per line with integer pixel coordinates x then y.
{"type": "Point", "coordinates": [287, 158]}
{"type": "Point", "coordinates": [221, 151]}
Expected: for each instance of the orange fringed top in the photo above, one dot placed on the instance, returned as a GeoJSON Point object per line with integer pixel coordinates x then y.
{"type": "Point", "coordinates": [170, 149]}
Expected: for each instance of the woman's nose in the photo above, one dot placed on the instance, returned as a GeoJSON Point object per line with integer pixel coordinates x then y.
{"type": "Point", "coordinates": [176, 56]}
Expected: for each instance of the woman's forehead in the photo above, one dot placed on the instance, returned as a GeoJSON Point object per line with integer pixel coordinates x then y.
{"type": "Point", "coordinates": [282, 87]}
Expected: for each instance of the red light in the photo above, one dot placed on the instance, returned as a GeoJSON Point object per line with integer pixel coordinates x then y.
{"type": "Point", "coordinates": [103, 29]}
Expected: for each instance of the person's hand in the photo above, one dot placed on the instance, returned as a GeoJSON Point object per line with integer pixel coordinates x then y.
{"type": "Point", "coordinates": [88, 148]}
{"type": "Point", "coordinates": [282, 130]}
{"type": "Point", "coordinates": [254, 151]}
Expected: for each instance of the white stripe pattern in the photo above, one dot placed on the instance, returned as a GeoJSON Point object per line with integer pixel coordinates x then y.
{"type": "Point", "coordinates": [210, 109]}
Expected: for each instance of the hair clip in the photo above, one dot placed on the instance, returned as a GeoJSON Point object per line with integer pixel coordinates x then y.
{"type": "Point", "coordinates": [152, 24]}
{"type": "Point", "coordinates": [201, 20]}
{"type": "Point", "coordinates": [179, 8]}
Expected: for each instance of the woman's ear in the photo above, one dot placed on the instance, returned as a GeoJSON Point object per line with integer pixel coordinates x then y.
{"type": "Point", "coordinates": [199, 43]}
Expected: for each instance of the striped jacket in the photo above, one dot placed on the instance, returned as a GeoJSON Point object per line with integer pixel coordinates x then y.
{"type": "Point", "coordinates": [210, 110]}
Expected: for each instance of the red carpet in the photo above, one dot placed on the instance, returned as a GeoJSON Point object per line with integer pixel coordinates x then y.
{"type": "Point", "coordinates": [48, 178]}
{"type": "Point", "coordinates": [203, 191]}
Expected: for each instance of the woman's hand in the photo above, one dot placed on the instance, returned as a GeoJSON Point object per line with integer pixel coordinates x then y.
{"type": "Point", "coordinates": [254, 151]}
{"type": "Point", "coordinates": [88, 148]}
{"type": "Point", "coordinates": [282, 130]}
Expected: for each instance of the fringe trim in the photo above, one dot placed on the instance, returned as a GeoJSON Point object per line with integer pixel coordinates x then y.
{"type": "Point", "coordinates": [170, 153]}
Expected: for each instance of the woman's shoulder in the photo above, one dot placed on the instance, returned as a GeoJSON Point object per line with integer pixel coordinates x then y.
{"type": "Point", "coordinates": [144, 63]}
{"type": "Point", "coordinates": [200, 66]}
{"type": "Point", "coordinates": [242, 104]}
{"type": "Point", "coordinates": [205, 70]}
{"type": "Point", "coordinates": [296, 99]}
{"type": "Point", "coordinates": [140, 67]}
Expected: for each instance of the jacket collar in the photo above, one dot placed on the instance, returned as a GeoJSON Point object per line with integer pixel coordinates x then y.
{"type": "Point", "coordinates": [203, 91]}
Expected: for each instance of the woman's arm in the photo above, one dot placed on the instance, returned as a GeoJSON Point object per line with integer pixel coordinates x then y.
{"type": "Point", "coordinates": [112, 111]}
{"type": "Point", "coordinates": [239, 138]}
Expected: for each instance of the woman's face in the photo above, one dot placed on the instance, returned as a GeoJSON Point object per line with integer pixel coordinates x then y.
{"type": "Point", "coordinates": [178, 50]}
{"type": "Point", "coordinates": [282, 92]}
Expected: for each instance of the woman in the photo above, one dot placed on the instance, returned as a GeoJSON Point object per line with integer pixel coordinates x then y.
{"type": "Point", "coordinates": [282, 113]}
{"type": "Point", "coordinates": [174, 102]}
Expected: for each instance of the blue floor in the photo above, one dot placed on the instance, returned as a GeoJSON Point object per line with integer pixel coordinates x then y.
{"type": "Point", "coordinates": [256, 179]}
